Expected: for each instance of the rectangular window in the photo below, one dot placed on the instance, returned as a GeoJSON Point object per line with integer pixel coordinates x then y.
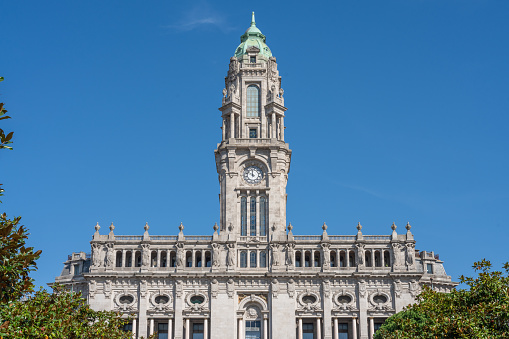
{"type": "Point", "coordinates": [263, 217]}
{"type": "Point", "coordinates": [252, 59]}
{"type": "Point", "coordinates": [253, 133]}
{"type": "Point", "coordinates": [127, 327]}
{"type": "Point", "coordinates": [197, 331]}
{"type": "Point", "coordinates": [429, 268]}
{"type": "Point", "coordinates": [162, 331]}
{"type": "Point", "coordinates": [77, 269]}
{"type": "Point", "coordinates": [342, 331]}
{"type": "Point", "coordinates": [252, 216]}
{"type": "Point", "coordinates": [263, 259]}
{"type": "Point", "coordinates": [252, 259]}
{"type": "Point", "coordinates": [243, 216]}
{"type": "Point", "coordinates": [308, 331]}
{"type": "Point", "coordinates": [253, 329]}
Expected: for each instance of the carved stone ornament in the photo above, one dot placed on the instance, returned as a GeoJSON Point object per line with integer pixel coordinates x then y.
{"type": "Point", "coordinates": [326, 255]}
{"type": "Point", "coordinates": [396, 250]}
{"type": "Point", "coordinates": [107, 289]}
{"type": "Point", "coordinates": [178, 288]}
{"type": "Point", "coordinates": [345, 300]}
{"type": "Point", "coordinates": [291, 288]}
{"type": "Point", "coordinates": [397, 287]}
{"type": "Point", "coordinates": [92, 286]}
{"type": "Point", "coordinates": [230, 288]}
{"type": "Point", "coordinates": [214, 288]}
{"type": "Point", "coordinates": [326, 288]}
{"type": "Point", "coordinates": [197, 301]}
{"type": "Point", "coordinates": [309, 300]}
{"type": "Point", "coordinates": [410, 254]}
{"type": "Point", "coordinates": [110, 254]}
{"type": "Point", "coordinates": [125, 301]}
{"type": "Point", "coordinates": [380, 300]}
{"type": "Point", "coordinates": [143, 288]}
{"type": "Point", "coordinates": [252, 313]}
{"type": "Point", "coordinates": [216, 254]}
{"type": "Point", "coordinates": [231, 255]}
{"type": "Point", "coordinates": [362, 288]}
{"type": "Point", "coordinates": [275, 287]}
{"type": "Point", "coordinates": [275, 254]}
{"type": "Point", "coordinates": [415, 288]}
{"type": "Point", "coordinates": [180, 255]}
{"type": "Point", "coordinates": [161, 300]}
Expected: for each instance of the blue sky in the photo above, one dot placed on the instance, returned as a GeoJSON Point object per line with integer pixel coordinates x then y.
{"type": "Point", "coordinates": [397, 111]}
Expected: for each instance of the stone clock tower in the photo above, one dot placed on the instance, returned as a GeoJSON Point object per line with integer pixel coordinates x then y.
{"type": "Point", "coordinates": [253, 159]}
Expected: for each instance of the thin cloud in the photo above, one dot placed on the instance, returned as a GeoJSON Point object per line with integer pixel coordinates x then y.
{"type": "Point", "coordinates": [201, 16]}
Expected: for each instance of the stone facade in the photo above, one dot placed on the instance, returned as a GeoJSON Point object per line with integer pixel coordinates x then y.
{"type": "Point", "coordinates": [253, 278]}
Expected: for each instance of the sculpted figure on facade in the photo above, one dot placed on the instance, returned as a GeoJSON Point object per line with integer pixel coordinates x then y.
{"type": "Point", "coordinates": [410, 254]}
{"type": "Point", "coordinates": [216, 254]}
{"type": "Point", "coordinates": [275, 254]}
{"type": "Point", "coordinates": [360, 254]}
{"type": "Point", "coordinates": [145, 259]}
{"type": "Point", "coordinates": [96, 254]}
{"type": "Point", "coordinates": [109, 255]}
{"type": "Point", "coordinates": [290, 250]}
{"type": "Point", "coordinates": [396, 250]}
{"type": "Point", "coordinates": [180, 255]}
{"type": "Point", "coordinates": [326, 255]}
{"type": "Point", "coordinates": [231, 255]}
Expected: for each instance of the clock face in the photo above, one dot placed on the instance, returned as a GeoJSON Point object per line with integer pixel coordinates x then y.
{"type": "Point", "coordinates": [253, 175]}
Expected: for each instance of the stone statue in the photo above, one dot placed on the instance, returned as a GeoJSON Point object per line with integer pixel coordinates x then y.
{"type": "Point", "coordinates": [275, 254]}
{"type": "Point", "coordinates": [326, 255]}
{"type": "Point", "coordinates": [109, 255]}
{"type": "Point", "coordinates": [180, 255]}
{"type": "Point", "coordinates": [396, 250]}
{"type": "Point", "coordinates": [225, 92]}
{"type": "Point", "coordinates": [281, 92]}
{"type": "Point", "coordinates": [145, 259]}
{"type": "Point", "coordinates": [360, 254]}
{"type": "Point", "coordinates": [289, 254]}
{"type": "Point", "coordinates": [96, 255]}
{"type": "Point", "coordinates": [215, 255]}
{"type": "Point", "coordinates": [410, 254]}
{"type": "Point", "coordinates": [231, 255]}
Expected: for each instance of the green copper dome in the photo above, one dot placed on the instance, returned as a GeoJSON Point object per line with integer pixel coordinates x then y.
{"type": "Point", "coordinates": [253, 37]}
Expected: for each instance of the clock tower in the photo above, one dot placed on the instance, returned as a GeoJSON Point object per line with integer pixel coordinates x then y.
{"type": "Point", "coordinates": [253, 159]}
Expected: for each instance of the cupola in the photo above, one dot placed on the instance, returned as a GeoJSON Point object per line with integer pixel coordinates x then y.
{"type": "Point", "coordinates": [253, 37]}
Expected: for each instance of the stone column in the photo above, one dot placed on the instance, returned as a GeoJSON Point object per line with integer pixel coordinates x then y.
{"type": "Point", "coordinates": [223, 129]}
{"type": "Point", "coordinates": [123, 264]}
{"type": "Point", "coordinates": [151, 332]}
{"type": "Point", "coordinates": [193, 258]}
{"type": "Point", "coordinates": [282, 128]}
{"type": "Point", "coordinates": [319, 328]}
{"type": "Point", "coordinates": [265, 328]}
{"type": "Point", "coordinates": [240, 329]}
{"type": "Point", "coordinates": [299, 330]}
{"type": "Point", "coordinates": [354, 328]}
{"type": "Point", "coordinates": [170, 329]}
{"type": "Point", "coordinates": [158, 259]}
{"type": "Point", "coordinates": [177, 319]}
{"type": "Point", "coordinates": [335, 333]}
{"type": "Point", "coordinates": [134, 329]}
{"type": "Point", "coordinates": [232, 125]}
{"type": "Point", "coordinates": [188, 332]}
{"type": "Point", "coordinates": [371, 328]}
{"type": "Point", "coordinates": [273, 124]}
{"type": "Point", "coordinates": [133, 258]}
{"type": "Point", "coordinates": [205, 325]}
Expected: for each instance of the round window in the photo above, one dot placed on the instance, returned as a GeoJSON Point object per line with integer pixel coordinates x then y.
{"type": "Point", "coordinates": [309, 299]}
{"type": "Point", "coordinates": [126, 299]}
{"type": "Point", "coordinates": [380, 299]}
{"type": "Point", "coordinates": [344, 299]}
{"type": "Point", "coordinates": [161, 299]}
{"type": "Point", "coordinates": [197, 299]}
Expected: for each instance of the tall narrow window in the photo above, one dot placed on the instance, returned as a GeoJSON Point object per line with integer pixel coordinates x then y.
{"type": "Point", "coordinates": [253, 101]}
{"type": "Point", "coordinates": [252, 217]}
{"type": "Point", "coordinates": [263, 216]}
{"type": "Point", "coordinates": [243, 259]}
{"type": "Point", "coordinates": [243, 216]}
{"type": "Point", "coordinates": [252, 259]}
{"type": "Point", "coordinates": [263, 259]}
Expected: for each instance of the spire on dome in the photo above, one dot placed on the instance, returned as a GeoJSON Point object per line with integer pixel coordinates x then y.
{"type": "Point", "coordinates": [253, 22]}
{"type": "Point", "coordinates": [253, 37]}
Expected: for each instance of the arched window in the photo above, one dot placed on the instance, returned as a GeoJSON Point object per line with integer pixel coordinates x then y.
{"type": "Point", "coordinates": [252, 217]}
{"type": "Point", "coordinates": [367, 258]}
{"type": "Point", "coordinates": [252, 259]}
{"type": "Point", "coordinates": [387, 259]}
{"type": "Point", "coordinates": [119, 259]}
{"type": "Point", "coordinates": [263, 216]}
{"type": "Point", "coordinates": [243, 216]}
{"type": "Point", "coordinates": [253, 101]}
{"type": "Point", "coordinates": [153, 259]}
{"type": "Point", "coordinates": [263, 259]}
{"type": "Point", "coordinates": [128, 259]}
{"type": "Point", "coordinates": [243, 259]}
{"type": "Point", "coordinates": [163, 259]}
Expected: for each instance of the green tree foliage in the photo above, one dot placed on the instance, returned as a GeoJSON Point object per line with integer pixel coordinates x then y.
{"type": "Point", "coordinates": [60, 314]}
{"type": "Point", "coordinates": [482, 311]}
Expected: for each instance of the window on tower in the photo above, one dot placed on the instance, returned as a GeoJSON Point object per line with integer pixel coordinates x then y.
{"type": "Point", "coordinates": [243, 216]}
{"type": "Point", "coordinates": [253, 133]}
{"type": "Point", "coordinates": [252, 59]}
{"type": "Point", "coordinates": [253, 101]}
{"type": "Point", "coordinates": [263, 217]}
{"type": "Point", "coordinates": [252, 224]}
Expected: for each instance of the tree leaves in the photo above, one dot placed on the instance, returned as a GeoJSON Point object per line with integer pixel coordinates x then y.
{"type": "Point", "coordinates": [482, 311]}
